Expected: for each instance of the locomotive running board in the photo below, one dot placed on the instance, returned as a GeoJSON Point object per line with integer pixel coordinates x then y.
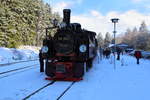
{"type": "Point", "coordinates": [64, 79]}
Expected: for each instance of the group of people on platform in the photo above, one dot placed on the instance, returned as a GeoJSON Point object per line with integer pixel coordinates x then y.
{"type": "Point", "coordinates": [105, 53]}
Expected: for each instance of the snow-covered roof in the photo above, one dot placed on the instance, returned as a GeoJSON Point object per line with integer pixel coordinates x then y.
{"type": "Point", "coordinates": [111, 45]}
{"type": "Point", "coordinates": [122, 45]}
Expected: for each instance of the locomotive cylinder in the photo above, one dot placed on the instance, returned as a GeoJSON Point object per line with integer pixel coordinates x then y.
{"type": "Point", "coordinates": [66, 16]}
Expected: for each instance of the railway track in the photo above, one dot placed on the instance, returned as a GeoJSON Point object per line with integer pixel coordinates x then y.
{"type": "Point", "coordinates": [27, 97]}
{"type": "Point", "coordinates": [17, 69]}
{"type": "Point", "coordinates": [62, 94]}
{"type": "Point", "coordinates": [26, 68]}
{"type": "Point", "coordinates": [6, 64]}
{"type": "Point", "coordinates": [49, 84]}
{"type": "Point", "coordinates": [16, 73]}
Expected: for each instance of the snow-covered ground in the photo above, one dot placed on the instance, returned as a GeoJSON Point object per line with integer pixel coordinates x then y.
{"type": "Point", "coordinates": [128, 81]}
{"type": "Point", "coordinates": [9, 55]}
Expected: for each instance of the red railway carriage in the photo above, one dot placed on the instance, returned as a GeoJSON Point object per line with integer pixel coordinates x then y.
{"type": "Point", "coordinates": [69, 50]}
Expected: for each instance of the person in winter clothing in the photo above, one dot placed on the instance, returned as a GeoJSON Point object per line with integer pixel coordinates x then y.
{"type": "Point", "coordinates": [41, 60]}
{"type": "Point", "coordinates": [107, 53]}
{"type": "Point", "coordinates": [104, 53]}
{"type": "Point", "coordinates": [138, 55]}
{"type": "Point", "coordinates": [101, 53]}
{"type": "Point", "coordinates": [118, 53]}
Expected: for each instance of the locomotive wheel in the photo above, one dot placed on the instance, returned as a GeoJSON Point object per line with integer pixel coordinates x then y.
{"type": "Point", "coordinates": [79, 70]}
{"type": "Point", "coordinates": [50, 69]}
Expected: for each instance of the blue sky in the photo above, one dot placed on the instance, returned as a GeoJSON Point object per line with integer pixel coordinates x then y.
{"type": "Point", "coordinates": [96, 14]}
{"type": "Point", "coordinates": [104, 6]}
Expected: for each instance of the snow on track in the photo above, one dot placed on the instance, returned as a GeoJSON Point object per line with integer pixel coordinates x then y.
{"type": "Point", "coordinates": [52, 92]}
{"type": "Point", "coordinates": [27, 97]}
{"type": "Point", "coordinates": [16, 66]}
{"type": "Point", "coordinates": [18, 86]}
{"type": "Point", "coordinates": [17, 71]}
{"type": "Point", "coordinates": [11, 63]}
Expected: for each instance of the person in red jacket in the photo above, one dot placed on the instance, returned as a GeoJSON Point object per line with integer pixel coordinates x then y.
{"type": "Point", "coordinates": [138, 55]}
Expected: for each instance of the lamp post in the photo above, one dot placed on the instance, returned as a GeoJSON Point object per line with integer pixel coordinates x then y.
{"type": "Point", "coordinates": [114, 21]}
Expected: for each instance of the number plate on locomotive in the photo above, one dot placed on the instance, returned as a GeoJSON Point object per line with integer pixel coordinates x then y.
{"type": "Point", "coordinates": [60, 68]}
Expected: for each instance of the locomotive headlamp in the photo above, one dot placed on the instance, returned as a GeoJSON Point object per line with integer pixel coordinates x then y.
{"type": "Point", "coordinates": [82, 48]}
{"type": "Point", "coordinates": [44, 49]}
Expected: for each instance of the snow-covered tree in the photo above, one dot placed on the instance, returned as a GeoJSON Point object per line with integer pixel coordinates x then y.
{"type": "Point", "coordinates": [138, 39]}
{"type": "Point", "coordinates": [142, 37]}
{"type": "Point", "coordinates": [143, 28]}
{"type": "Point", "coordinates": [100, 40]}
{"type": "Point", "coordinates": [107, 39]}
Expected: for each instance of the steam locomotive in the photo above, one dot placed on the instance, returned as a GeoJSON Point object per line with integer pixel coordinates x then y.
{"type": "Point", "coordinates": [69, 54]}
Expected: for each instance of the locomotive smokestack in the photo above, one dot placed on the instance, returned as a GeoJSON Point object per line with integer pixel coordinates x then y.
{"type": "Point", "coordinates": [66, 18]}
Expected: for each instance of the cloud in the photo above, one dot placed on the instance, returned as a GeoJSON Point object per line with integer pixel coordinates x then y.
{"type": "Point", "coordinates": [95, 13]}
{"type": "Point", "coordinates": [78, 1]}
{"type": "Point", "coordinates": [139, 1]}
{"type": "Point", "coordinates": [58, 7]}
{"type": "Point", "coordinates": [101, 23]}
{"type": "Point", "coordinates": [94, 20]}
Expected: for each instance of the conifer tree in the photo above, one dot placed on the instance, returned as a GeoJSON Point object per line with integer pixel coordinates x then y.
{"type": "Point", "coordinates": [107, 39]}
{"type": "Point", "coordinates": [23, 22]}
{"type": "Point", "coordinates": [100, 40]}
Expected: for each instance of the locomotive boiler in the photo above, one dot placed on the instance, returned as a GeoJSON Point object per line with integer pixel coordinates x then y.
{"type": "Point", "coordinates": [70, 53]}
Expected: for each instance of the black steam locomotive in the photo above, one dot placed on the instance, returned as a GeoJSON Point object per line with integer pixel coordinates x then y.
{"type": "Point", "coordinates": [70, 52]}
